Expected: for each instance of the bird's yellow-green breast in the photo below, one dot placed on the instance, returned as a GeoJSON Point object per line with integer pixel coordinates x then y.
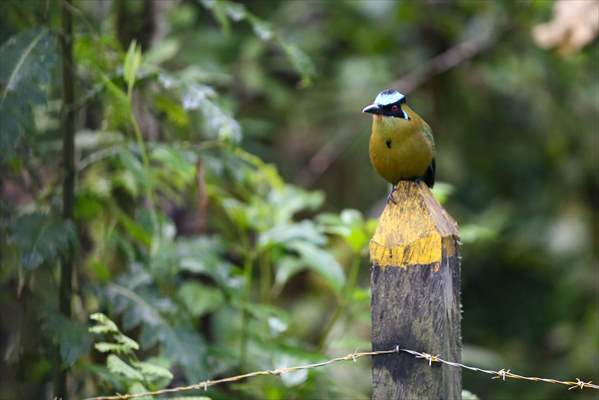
{"type": "Point", "coordinates": [401, 143]}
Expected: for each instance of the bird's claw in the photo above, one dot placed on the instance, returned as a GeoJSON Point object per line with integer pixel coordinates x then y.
{"type": "Point", "coordinates": [390, 197]}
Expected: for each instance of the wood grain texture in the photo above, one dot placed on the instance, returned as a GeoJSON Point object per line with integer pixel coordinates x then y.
{"type": "Point", "coordinates": [415, 281]}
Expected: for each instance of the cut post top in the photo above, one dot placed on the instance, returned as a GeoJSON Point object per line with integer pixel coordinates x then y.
{"type": "Point", "coordinates": [413, 230]}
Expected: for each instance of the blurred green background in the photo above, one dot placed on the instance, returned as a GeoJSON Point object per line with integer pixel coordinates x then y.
{"type": "Point", "coordinates": [224, 198]}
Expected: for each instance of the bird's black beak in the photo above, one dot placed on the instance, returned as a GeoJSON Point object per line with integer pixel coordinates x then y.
{"type": "Point", "coordinates": [372, 109]}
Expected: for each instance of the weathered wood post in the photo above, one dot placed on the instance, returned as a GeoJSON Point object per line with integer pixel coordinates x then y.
{"type": "Point", "coordinates": [415, 282]}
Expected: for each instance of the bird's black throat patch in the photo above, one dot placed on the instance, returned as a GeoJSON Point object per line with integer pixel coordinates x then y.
{"type": "Point", "coordinates": [388, 143]}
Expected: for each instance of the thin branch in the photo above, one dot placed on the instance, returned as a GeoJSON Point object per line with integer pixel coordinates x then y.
{"type": "Point", "coordinates": [445, 61]}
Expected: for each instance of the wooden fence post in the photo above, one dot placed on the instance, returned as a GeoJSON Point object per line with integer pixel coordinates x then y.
{"type": "Point", "coordinates": [415, 282]}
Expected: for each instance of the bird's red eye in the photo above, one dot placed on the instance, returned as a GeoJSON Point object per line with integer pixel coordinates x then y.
{"type": "Point", "coordinates": [394, 108]}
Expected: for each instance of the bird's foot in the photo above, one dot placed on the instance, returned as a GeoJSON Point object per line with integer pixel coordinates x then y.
{"type": "Point", "coordinates": [416, 180]}
{"type": "Point", "coordinates": [390, 195]}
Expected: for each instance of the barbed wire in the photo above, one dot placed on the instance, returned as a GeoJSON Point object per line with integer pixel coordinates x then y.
{"type": "Point", "coordinates": [204, 385]}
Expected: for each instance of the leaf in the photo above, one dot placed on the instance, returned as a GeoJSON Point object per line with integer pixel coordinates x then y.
{"type": "Point", "coordinates": [105, 347]}
{"type": "Point", "coordinates": [120, 367]}
{"type": "Point", "coordinates": [131, 65]}
{"type": "Point", "coordinates": [121, 344]}
{"type": "Point", "coordinates": [17, 71]}
{"type": "Point", "coordinates": [286, 268]}
{"type": "Point", "coordinates": [136, 306]}
{"type": "Point", "coordinates": [28, 59]}
{"type": "Point", "coordinates": [235, 11]}
{"type": "Point", "coordinates": [222, 10]}
{"type": "Point", "coordinates": [320, 261]}
{"type": "Point", "coordinates": [173, 110]}
{"type": "Point", "coordinates": [162, 51]}
{"type": "Point", "coordinates": [40, 238]}
{"type": "Point", "coordinates": [103, 324]}
{"type": "Point", "coordinates": [200, 299]}
{"type": "Point", "coordinates": [289, 200]}
{"type": "Point", "coordinates": [118, 105]}
{"type": "Point", "coordinates": [305, 230]}
{"type": "Point", "coordinates": [153, 372]}
{"type": "Point", "coordinates": [178, 168]}
{"type": "Point", "coordinates": [261, 28]}
{"type": "Point", "coordinates": [218, 11]}
{"type": "Point", "coordinates": [216, 120]}
{"type": "Point", "coordinates": [138, 388]}
{"type": "Point", "coordinates": [300, 61]}
{"type": "Point", "coordinates": [125, 341]}
{"type": "Point", "coordinates": [350, 225]}
{"type": "Point", "coordinates": [187, 349]}
{"type": "Point", "coordinates": [134, 165]}
{"type": "Point", "coordinates": [136, 230]}
{"type": "Point", "coordinates": [71, 337]}
{"type": "Point", "coordinates": [204, 255]}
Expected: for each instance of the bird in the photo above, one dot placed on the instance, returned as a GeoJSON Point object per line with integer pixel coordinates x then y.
{"type": "Point", "coordinates": [401, 145]}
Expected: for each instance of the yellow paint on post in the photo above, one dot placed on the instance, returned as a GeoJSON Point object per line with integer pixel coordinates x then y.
{"type": "Point", "coordinates": [415, 230]}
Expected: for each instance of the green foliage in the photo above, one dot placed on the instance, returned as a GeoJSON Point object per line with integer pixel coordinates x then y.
{"type": "Point", "coordinates": [225, 11]}
{"type": "Point", "coordinates": [37, 238]}
{"type": "Point", "coordinates": [28, 61]}
{"type": "Point", "coordinates": [71, 337]}
{"type": "Point", "coordinates": [137, 376]}
{"type": "Point", "coordinates": [218, 177]}
{"type": "Point", "coordinates": [131, 66]}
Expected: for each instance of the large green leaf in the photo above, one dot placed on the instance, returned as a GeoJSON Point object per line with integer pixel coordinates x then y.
{"type": "Point", "coordinates": [25, 71]}
{"type": "Point", "coordinates": [152, 371]}
{"type": "Point", "coordinates": [200, 299]}
{"type": "Point", "coordinates": [188, 349]}
{"type": "Point", "coordinates": [350, 225]}
{"type": "Point", "coordinates": [137, 305]}
{"type": "Point", "coordinates": [72, 338]}
{"type": "Point", "coordinates": [305, 230]}
{"type": "Point", "coordinates": [204, 255]}
{"type": "Point", "coordinates": [289, 200]}
{"type": "Point", "coordinates": [320, 261]}
{"type": "Point", "coordinates": [39, 238]}
{"type": "Point", "coordinates": [286, 268]}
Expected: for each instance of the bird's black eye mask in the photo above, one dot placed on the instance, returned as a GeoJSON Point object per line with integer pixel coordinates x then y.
{"type": "Point", "coordinates": [388, 103]}
{"type": "Point", "coordinates": [394, 110]}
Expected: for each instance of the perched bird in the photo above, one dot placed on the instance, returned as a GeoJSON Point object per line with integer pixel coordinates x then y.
{"type": "Point", "coordinates": [401, 143]}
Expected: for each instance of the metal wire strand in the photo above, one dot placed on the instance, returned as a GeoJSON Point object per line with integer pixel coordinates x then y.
{"type": "Point", "coordinates": [431, 359]}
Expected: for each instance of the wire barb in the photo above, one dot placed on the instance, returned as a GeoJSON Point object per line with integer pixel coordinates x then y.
{"type": "Point", "coordinates": [581, 384]}
{"type": "Point", "coordinates": [501, 374]}
{"type": "Point", "coordinates": [430, 358]}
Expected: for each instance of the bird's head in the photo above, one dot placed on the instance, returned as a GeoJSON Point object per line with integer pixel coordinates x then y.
{"type": "Point", "coordinates": [388, 103]}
